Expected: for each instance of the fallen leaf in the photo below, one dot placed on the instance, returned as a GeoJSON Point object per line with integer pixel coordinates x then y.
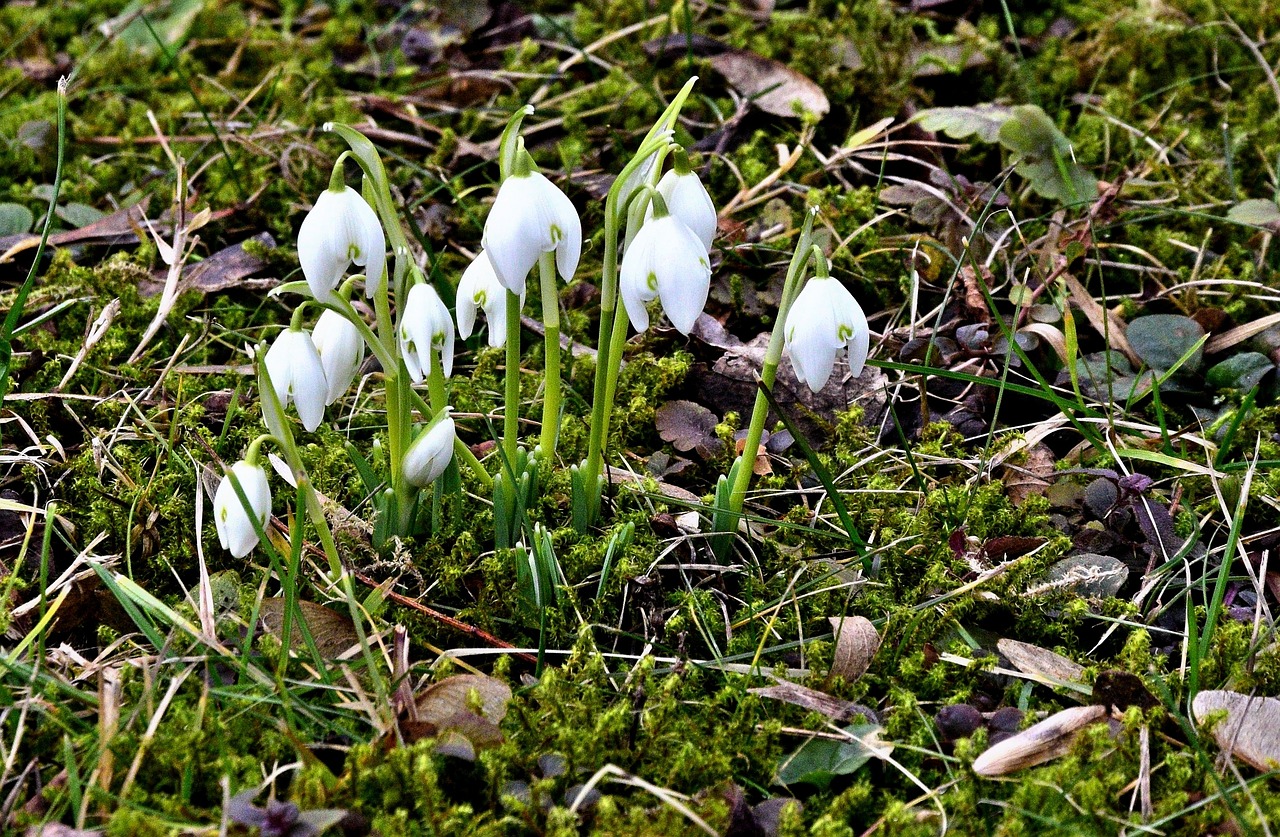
{"type": "Point", "coordinates": [688, 426]}
{"type": "Point", "coordinates": [120, 227]}
{"type": "Point", "coordinates": [1029, 479]}
{"type": "Point", "coordinates": [856, 644]}
{"type": "Point", "coordinates": [1040, 662]}
{"type": "Point", "coordinates": [332, 631]}
{"type": "Point", "coordinates": [815, 701]}
{"type": "Point", "coordinates": [1043, 742]}
{"type": "Point", "coordinates": [1251, 730]}
{"type": "Point", "coordinates": [462, 712]}
{"type": "Point", "coordinates": [771, 86]}
{"type": "Point", "coordinates": [227, 268]}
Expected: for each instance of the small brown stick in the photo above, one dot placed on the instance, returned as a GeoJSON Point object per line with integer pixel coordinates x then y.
{"type": "Point", "coordinates": [445, 619]}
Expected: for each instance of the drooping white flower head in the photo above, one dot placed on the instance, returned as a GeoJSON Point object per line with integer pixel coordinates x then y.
{"type": "Point", "coordinates": [530, 217]}
{"type": "Point", "coordinates": [341, 229]}
{"type": "Point", "coordinates": [430, 453]}
{"type": "Point", "coordinates": [824, 319]}
{"type": "Point", "coordinates": [425, 325]}
{"type": "Point", "coordinates": [341, 351]}
{"type": "Point", "coordinates": [480, 288]}
{"type": "Point", "coordinates": [666, 260]}
{"type": "Point", "coordinates": [235, 527]}
{"type": "Point", "coordinates": [297, 375]}
{"type": "Point", "coordinates": [687, 199]}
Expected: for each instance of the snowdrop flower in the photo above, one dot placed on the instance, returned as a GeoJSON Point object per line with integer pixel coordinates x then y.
{"type": "Point", "coordinates": [666, 260]}
{"type": "Point", "coordinates": [480, 288]}
{"type": "Point", "coordinates": [425, 325]}
{"type": "Point", "coordinates": [822, 320]}
{"type": "Point", "coordinates": [297, 375]}
{"type": "Point", "coordinates": [341, 229]}
{"type": "Point", "coordinates": [430, 453]}
{"type": "Point", "coordinates": [688, 200]}
{"type": "Point", "coordinates": [235, 527]}
{"type": "Point", "coordinates": [341, 351]}
{"type": "Point", "coordinates": [530, 217]}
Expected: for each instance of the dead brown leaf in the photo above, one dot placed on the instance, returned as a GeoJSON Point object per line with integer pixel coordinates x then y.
{"type": "Point", "coordinates": [815, 701]}
{"type": "Point", "coordinates": [1043, 742]}
{"type": "Point", "coordinates": [688, 426]}
{"type": "Point", "coordinates": [1251, 730]}
{"type": "Point", "coordinates": [1040, 662]}
{"type": "Point", "coordinates": [332, 631]}
{"type": "Point", "coordinates": [1029, 479]}
{"type": "Point", "coordinates": [227, 268]}
{"type": "Point", "coordinates": [771, 86]}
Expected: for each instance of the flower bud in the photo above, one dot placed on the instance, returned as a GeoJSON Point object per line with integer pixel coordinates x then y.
{"type": "Point", "coordinates": [430, 453]}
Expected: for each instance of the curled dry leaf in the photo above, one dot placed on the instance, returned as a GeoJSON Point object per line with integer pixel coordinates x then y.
{"type": "Point", "coordinates": [332, 631]}
{"type": "Point", "coordinates": [462, 712]}
{"type": "Point", "coordinates": [1043, 742]}
{"type": "Point", "coordinates": [1040, 662]}
{"type": "Point", "coordinates": [856, 643]}
{"type": "Point", "coordinates": [1251, 730]}
{"type": "Point", "coordinates": [1031, 478]}
{"type": "Point", "coordinates": [770, 85]}
{"type": "Point", "coordinates": [815, 701]}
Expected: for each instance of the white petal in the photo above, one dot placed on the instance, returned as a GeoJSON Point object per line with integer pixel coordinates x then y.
{"type": "Point", "coordinates": [472, 292]}
{"type": "Point", "coordinates": [339, 229]}
{"type": "Point", "coordinates": [341, 351]}
{"type": "Point", "coordinates": [430, 454]}
{"type": "Point", "coordinates": [310, 388]}
{"type": "Point", "coordinates": [279, 361]}
{"type": "Point", "coordinates": [510, 233]}
{"type": "Point", "coordinates": [322, 250]}
{"type": "Point", "coordinates": [638, 278]}
{"type": "Point", "coordinates": [566, 229]}
{"type": "Point", "coordinates": [860, 343]}
{"type": "Point", "coordinates": [684, 272]}
{"type": "Point", "coordinates": [687, 199]}
{"type": "Point", "coordinates": [810, 335]}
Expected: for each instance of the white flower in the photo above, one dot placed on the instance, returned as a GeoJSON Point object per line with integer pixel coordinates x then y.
{"type": "Point", "coordinates": [341, 351]}
{"type": "Point", "coordinates": [688, 200]}
{"type": "Point", "coordinates": [430, 454]}
{"type": "Point", "coordinates": [666, 260]}
{"type": "Point", "coordinates": [480, 288]}
{"type": "Point", "coordinates": [235, 527]}
{"type": "Point", "coordinates": [822, 320]}
{"type": "Point", "coordinates": [530, 217]}
{"type": "Point", "coordinates": [297, 375]}
{"type": "Point", "coordinates": [340, 229]}
{"type": "Point", "coordinates": [425, 325]}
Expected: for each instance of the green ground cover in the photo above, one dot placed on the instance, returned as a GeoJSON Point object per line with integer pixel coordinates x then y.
{"type": "Point", "coordinates": [1052, 492]}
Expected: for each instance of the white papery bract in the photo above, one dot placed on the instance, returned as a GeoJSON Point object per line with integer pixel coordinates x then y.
{"type": "Point", "coordinates": [687, 199]}
{"type": "Point", "coordinates": [530, 217]}
{"type": "Point", "coordinates": [824, 319]}
{"type": "Point", "coordinates": [297, 375]}
{"type": "Point", "coordinates": [430, 454]}
{"type": "Point", "coordinates": [341, 351]}
{"type": "Point", "coordinates": [341, 229]}
{"type": "Point", "coordinates": [480, 288]}
{"type": "Point", "coordinates": [235, 527]}
{"type": "Point", "coordinates": [425, 325]}
{"type": "Point", "coordinates": [665, 260]}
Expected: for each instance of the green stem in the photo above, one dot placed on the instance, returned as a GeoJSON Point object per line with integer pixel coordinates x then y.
{"type": "Point", "coordinates": [599, 406]}
{"type": "Point", "coordinates": [805, 250]}
{"type": "Point", "coordinates": [511, 415]}
{"type": "Point", "coordinates": [551, 323]}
